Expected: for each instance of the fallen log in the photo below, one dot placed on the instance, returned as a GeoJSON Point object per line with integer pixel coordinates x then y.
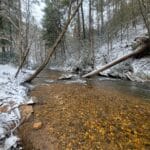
{"type": "Point", "coordinates": [142, 48]}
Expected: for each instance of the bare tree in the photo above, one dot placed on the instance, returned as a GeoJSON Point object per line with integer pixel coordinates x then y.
{"type": "Point", "coordinates": [83, 22]}
{"type": "Point", "coordinates": [144, 15]}
{"type": "Point", "coordinates": [91, 44]}
{"type": "Point", "coordinates": [56, 43]}
{"type": "Point", "coordinates": [145, 45]}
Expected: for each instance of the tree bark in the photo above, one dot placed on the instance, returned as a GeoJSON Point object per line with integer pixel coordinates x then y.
{"type": "Point", "coordinates": [20, 31]}
{"type": "Point", "coordinates": [79, 23]}
{"type": "Point", "coordinates": [91, 41]}
{"type": "Point", "coordinates": [134, 53]}
{"type": "Point", "coordinates": [53, 48]}
{"type": "Point", "coordinates": [102, 15]}
{"type": "Point", "coordinates": [83, 22]}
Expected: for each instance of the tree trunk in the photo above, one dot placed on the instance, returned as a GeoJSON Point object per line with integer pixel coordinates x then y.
{"type": "Point", "coordinates": [144, 15]}
{"type": "Point", "coordinates": [91, 42]}
{"type": "Point", "coordinates": [79, 23]}
{"type": "Point", "coordinates": [53, 48]}
{"type": "Point", "coordinates": [102, 15]}
{"type": "Point", "coordinates": [90, 21]}
{"type": "Point", "coordinates": [98, 17]}
{"type": "Point", "coordinates": [137, 51]}
{"type": "Point", "coordinates": [20, 31]}
{"type": "Point", "coordinates": [83, 22]}
{"type": "Point", "coordinates": [22, 63]}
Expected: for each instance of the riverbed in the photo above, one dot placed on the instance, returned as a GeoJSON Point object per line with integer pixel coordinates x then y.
{"type": "Point", "coordinates": [97, 113]}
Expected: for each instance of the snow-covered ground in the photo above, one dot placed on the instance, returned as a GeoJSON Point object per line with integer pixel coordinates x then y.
{"type": "Point", "coordinates": [133, 69]}
{"type": "Point", "coordinates": [137, 69]}
{"type": "Point", "coordinates": [12, 95]}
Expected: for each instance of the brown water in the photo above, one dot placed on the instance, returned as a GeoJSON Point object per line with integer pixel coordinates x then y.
{"type": "Point", "coordinates": [96, 114]}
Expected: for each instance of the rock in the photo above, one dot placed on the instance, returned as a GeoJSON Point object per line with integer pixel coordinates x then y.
{"type": "Point", "coordinates": [26, 111]}
{"type": "Point", "coordinates": [49, 81]}
{"type": "Point", "coordinates": [66, 77]}
{"type": "Point", "coordinates": [32, 100]}
{"type": "Point", "coordinates": [4, 109]}
{"type": "Point", "coordinates": [37, 125]}
{"type": "Point", "coordinates": [132, 77]}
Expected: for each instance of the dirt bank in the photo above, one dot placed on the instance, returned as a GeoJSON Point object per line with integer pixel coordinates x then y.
{"type": "Point", "coordinates": [78, 116]}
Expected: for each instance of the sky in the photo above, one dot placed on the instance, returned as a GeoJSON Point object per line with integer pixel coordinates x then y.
{"type": "Point", "coordinates": [38, 13]}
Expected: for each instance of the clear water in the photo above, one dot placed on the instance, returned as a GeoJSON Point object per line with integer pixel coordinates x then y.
{"type": "Point", "coordinates": [141, 90]}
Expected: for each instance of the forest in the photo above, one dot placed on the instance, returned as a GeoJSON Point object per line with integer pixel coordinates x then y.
{"type": "Point", "coordinates": [75, 73]}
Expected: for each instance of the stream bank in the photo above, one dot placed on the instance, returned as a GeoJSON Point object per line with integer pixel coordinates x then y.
{"type": "Point", "coordinates": [90, 115]}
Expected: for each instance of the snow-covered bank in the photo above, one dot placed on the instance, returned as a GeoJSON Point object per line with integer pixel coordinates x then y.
{"type": "Point", "coordinates": [12, 95]}
{"type": "Point", "coordinates": [132, 69]}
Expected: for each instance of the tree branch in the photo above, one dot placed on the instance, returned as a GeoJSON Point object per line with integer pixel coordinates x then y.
{"type": "Point", "coordinates": [10, 20]}
{"type": "Point", "coordinates": [56, 43]}
{"type": "Point", "coordinates": [139, 50]}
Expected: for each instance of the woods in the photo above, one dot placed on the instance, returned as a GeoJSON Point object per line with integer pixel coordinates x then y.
{"type": "Point", "coordinates": [53, 48]}
{"type": "Point", "coordinates": [144, 46]}
{"type": "Point", "coordinates": [20, 36]}
{"type": "Point", "coordinates": [59, 45]}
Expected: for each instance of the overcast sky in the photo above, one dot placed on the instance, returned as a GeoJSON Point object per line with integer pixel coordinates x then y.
{"type": "Point", "coordinates": [38, 13]}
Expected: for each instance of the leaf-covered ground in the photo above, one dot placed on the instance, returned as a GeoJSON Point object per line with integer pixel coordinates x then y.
{"type": "Point", "coordinates": [76, 117]}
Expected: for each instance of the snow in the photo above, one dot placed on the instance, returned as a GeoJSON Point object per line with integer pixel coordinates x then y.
{"type": "Point", "coordinates": [38, 12]}
{"type": "Point", "coordinates": [11, 141]}
{"type": "Point", "coordinates": [12, 95]}
{"type": "Point", "coordinates": [140, 67]}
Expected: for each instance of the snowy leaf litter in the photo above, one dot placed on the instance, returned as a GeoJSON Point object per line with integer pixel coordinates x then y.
{"type": "Point", "coordinates": [12, 95]}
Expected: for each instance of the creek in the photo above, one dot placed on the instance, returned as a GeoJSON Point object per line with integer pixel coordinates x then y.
{"type": "Point", "coordinates": [139, 89]}
{"type": "Point", "coordinates": [95, 113]}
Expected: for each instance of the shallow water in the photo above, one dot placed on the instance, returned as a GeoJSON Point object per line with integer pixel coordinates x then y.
{"type": "Point", "coordinates": [95, 113]}
{"type": "Point", "coordinates": [141, 90]}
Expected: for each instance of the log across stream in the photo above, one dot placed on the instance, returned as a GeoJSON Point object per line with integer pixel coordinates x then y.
{"type": "Point", "coordinates": [97, 114]}
{"type": "Point", "coordinates": [141, 50]}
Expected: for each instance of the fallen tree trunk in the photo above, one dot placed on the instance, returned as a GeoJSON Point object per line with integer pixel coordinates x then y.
{"type": "Point", "coordinates": [139, 50]}
{"type": "Point", "coordinates": [51, 50]}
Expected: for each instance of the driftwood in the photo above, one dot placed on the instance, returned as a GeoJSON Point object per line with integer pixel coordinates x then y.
{"type": "Point", "coordinates": [53, 48]}
{"type": "Point", "coordinates": [144, 47]}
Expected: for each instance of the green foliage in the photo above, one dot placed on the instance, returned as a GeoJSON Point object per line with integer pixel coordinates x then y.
{"type": "Point", "coordinates": [51, 23]}
{"type": "Point", "coordinates": [53, 20]}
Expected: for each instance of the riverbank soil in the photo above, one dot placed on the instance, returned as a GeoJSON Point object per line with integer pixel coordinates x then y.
{"type": "Point", "coordinates": [76, 116]}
